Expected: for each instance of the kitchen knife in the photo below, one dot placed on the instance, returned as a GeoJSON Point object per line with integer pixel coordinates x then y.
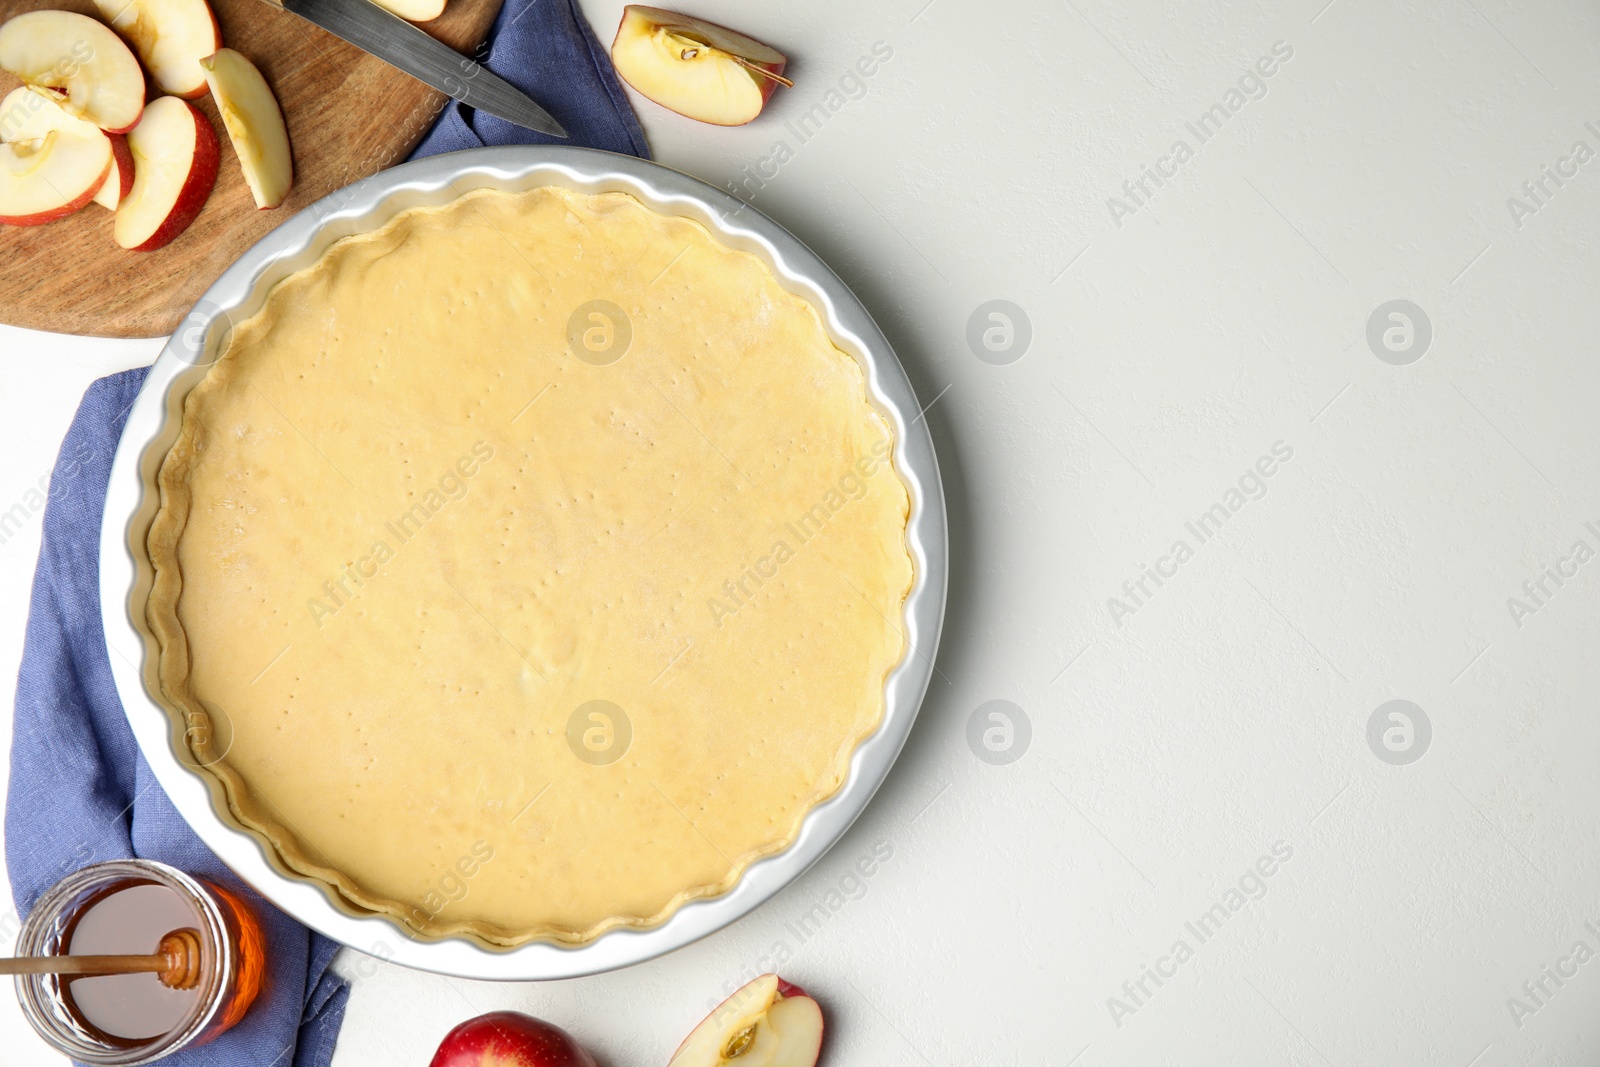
{"type": "Point", "coordinates": [400, 44]}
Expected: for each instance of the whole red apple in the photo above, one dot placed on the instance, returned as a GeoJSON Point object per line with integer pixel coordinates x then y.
{"type": "Point", "coordinates": [509, 1039]}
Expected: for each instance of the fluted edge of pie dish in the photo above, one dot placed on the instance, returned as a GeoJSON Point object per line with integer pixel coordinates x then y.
{"type": "Point", "coordinates": [317, 897]}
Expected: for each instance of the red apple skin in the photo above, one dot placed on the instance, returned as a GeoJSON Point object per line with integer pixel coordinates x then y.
{"type": "Point", "coordinates": [787, 988]}
{"type": "Point", "coordinates": [509, 1039]}
{"type": "Point", "coordinates": [196, 188]}
{"type": "Point", "coordinates": [57, 213]}
{"type": "Point", "coordinates": [122, 155]}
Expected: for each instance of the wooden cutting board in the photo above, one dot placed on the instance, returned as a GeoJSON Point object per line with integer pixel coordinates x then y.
{"type": "Point", "coordinates": [349, 115]}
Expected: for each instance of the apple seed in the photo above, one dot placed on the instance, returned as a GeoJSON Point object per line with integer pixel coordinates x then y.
{"type": "Point", "coordinates": [740, 1043]}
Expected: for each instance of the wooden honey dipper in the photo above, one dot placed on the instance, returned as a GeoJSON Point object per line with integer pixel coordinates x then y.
{"type": "Point", "coordinates": [177, 962]}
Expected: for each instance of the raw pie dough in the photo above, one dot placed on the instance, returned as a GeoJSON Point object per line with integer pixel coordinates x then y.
{"type": "Point", "coordinates": [407, 536]}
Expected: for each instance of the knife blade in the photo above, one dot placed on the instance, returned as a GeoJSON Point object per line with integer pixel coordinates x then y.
{"type": "Point", "coordinates": [400, 44]}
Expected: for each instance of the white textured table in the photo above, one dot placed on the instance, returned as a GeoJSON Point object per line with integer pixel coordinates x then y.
{"type": "Point", "coordinates": [1200, 263]}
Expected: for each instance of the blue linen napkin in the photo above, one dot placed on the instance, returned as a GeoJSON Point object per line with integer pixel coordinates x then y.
{"type": "Point", "coordinates": [547, 49]}
{"type": "Point", "coordinates": [80, 792]}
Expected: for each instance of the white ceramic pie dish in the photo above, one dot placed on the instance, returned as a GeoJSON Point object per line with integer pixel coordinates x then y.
{"type": "Point", "coordinates": [131, 502]}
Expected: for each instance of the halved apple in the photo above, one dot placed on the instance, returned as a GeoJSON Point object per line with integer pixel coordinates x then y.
{"type": "Point", "coordinates": [696, 68]}
{"type": "Point", "coordinates": [171, 37]}
{"type": "Point", "coordinates": [78, 63]}
{"type": "Point", "coordinates": [767, 1023]}
{"type": "Point", "coordinates": [254, 122]}
{"type": "Point", "coordinates": [415, 10]}
{"type": "Point", "coordinates": [175, 154]}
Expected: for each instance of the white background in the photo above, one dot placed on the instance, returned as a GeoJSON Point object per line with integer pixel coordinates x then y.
{"type": "Point", "coordinates": [1173, 746]}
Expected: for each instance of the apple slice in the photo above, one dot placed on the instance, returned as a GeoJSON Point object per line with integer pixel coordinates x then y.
{"type": "Point", "coordinates": [78, 63]}
{"type": "Point", "coordinates": [120, 182]}
{"type": "Point", "coordinates": [254, 122]}
{"type": "Point", "coordinates": [696, 68]}
{"type": "Point", "coordinates": [171, 37]}
{"type": "Point", "coordinates": [767, 1023]}
{"type": "Point", "coordinates": [48, 177]}
{"type": "Point", "coordinates": [175, 154]}
{"type": "Point", "coordinates": [414, 10]}
{"type": "Point", "coordinates": [27, 116]}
